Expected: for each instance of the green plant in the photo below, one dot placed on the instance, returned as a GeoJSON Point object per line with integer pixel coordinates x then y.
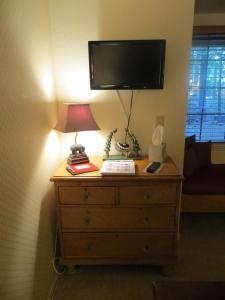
{"type": "Point", "coordinates": [109, 140]}
{"type": "Point", "coordinates": [135, 145]}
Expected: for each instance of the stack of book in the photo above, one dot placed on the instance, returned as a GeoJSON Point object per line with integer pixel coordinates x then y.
{"type": "Point", "coordinates": [78, 158]}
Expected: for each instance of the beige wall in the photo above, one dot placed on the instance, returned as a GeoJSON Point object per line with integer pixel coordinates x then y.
{"type": "Point", "coordinates": [74, 22]}
{"type": "Point", "coordinates": [28, 150]}
{"type": "Point", "coordinates": [209, 19]}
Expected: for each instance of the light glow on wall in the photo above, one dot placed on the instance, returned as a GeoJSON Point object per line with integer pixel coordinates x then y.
{"type": "Point", "coordinates": [47, 84]}
{"type": "Point", "coordinates": [75, 84]}
{"type": "Point", "coordinates": [42, 72]}
{"type": "Point", "coordinates": [92, 140]}
{"type": "Point", "coordinates": [52, 147]}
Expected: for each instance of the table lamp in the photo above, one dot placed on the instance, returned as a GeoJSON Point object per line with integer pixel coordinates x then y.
{"type": "Point", "coordinates": [75, 118]}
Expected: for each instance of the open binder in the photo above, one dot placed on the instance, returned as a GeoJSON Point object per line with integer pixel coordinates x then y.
{"type": "Point", "coordinates": [118, 167]}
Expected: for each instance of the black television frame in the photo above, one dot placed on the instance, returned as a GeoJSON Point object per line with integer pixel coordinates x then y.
{"type": "Point", "coordinates": [161, 68]}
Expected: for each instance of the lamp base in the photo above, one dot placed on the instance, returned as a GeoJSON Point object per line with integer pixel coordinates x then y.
{"type": "Point", "coordinates": [77, 158]}
{"type": "Point", "coordinates": [77, 149]}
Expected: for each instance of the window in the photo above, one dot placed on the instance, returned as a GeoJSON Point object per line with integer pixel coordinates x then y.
{"type": "Point", "coordinates": [206, 93]}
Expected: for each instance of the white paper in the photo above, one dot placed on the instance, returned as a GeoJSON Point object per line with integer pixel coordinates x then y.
{"type": "Point", "coordinates": [158, 134]}
{"type": "Point", "coordinates": [118, 167]}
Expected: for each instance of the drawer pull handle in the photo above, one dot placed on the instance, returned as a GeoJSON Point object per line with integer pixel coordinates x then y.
{"type": "Point", "coordinates": [146, 196]}
{"type": "Point", "coordinates": [88, 247]}
{"type": "Point", "coordinates": [146, 248]}
{"type": "Point", "coordinates": [87, 220]}
{"type": "Point", "coordinates": [146, 220]}
{"type": "Point", "coordinates": [86, 195]}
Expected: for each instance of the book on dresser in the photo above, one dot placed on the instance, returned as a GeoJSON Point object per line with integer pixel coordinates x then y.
{"type": "Point", "coordinates": [77, 158]}
{"type": "Point", "coordinates": [81, 168]}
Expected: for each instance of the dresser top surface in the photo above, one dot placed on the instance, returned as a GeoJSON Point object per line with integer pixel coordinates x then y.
{"type": "Point", "coordinates": [168, 171]}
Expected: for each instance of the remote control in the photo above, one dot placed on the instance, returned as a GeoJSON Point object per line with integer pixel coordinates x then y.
{"type": "Point", "coordinates": [153, 167]}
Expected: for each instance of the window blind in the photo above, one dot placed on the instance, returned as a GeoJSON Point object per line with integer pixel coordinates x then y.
{"type": "Point", "coordinates": [206, 92]}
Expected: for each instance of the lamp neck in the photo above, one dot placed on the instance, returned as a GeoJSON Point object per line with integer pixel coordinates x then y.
{"type": "Point", "coordinates": [76, 134]}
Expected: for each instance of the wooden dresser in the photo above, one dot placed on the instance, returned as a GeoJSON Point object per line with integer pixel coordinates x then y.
{"type": "Point", "coordinates": [118, 219]}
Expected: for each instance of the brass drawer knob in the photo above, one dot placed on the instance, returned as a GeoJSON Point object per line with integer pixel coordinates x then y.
{"type": "Point", "coordinates": [146, 248]}
{"type": "Point", "coordinates": [87, 220]}
{"type": "Point", "coordinates": [146, 220]}
{"type": "Point", "coordinates": [147, 196]}
{"type": "Point", "coordinates": [88, 247]}
{"type": "Point", "coordinates": [86, 195]}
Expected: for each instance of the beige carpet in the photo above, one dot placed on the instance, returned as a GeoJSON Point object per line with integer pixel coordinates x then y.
{"type": "Point", "coordinates": [201, 257]}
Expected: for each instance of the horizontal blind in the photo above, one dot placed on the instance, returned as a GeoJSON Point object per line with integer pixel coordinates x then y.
{"type": "Point", "coordinates": [206, 93]}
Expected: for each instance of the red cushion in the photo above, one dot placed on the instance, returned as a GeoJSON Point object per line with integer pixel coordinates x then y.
{"type": "Point", "coordinates": [190, 163]}
{"type": "Point", "coordinates": [203, 152]}
{"type": "Point", "coordinates": [206, 181]}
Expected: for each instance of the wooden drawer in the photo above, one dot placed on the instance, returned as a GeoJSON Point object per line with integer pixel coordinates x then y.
{"type": "Point", "coordinates": [87, 195]}
{"type": "Point", "coordinates": [112, 245]}
{"type": "Point", "coordinates": [121, 218]}
{"type": "Point", "coordinates": [145, 195]}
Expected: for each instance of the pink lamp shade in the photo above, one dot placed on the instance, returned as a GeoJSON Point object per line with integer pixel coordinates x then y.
{"type": "Point", "coordinates": [76, 117]}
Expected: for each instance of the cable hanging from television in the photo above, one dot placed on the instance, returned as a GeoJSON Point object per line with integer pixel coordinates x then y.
{"type": "Point", "coordinates": [130, 112]}
{"type": "Point", "coordinates": [125, 146]}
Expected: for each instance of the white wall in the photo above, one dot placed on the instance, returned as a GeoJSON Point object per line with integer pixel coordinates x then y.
{"type": "Point", "coordinates": [28, 150]}
{"type": "Point", "coordinates": [74, 22]}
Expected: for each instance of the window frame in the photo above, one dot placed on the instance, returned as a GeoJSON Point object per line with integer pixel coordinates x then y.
{"type": "Point", "coordinates": [208, 30]}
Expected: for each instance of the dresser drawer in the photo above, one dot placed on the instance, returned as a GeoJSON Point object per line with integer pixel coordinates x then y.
{"type": "Point", "coordinates": [145, 195]}
{"type": "Point", "coordinates": [112, 245]}
{"type": "Point", "coordinates": [121, 218]}
{"type": "Point", "coordinates": [87, 195]}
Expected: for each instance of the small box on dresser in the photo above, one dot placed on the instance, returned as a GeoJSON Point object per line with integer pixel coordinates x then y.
{"type": "Point", "coordinates": [118, 219]}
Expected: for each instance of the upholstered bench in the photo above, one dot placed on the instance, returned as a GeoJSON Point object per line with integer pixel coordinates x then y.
{"type": "Point", "coordinates": [204, 183]}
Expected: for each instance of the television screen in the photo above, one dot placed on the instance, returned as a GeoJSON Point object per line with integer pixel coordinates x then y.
{"type": "Point", "coordinates": [137, 64]}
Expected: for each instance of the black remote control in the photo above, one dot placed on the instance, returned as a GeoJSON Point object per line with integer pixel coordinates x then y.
{"type": "Point", "coordinates": [153, 167]}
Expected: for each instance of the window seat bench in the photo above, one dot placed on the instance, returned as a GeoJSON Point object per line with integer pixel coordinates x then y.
{"type": "Point", "coordinates": [204, 183]}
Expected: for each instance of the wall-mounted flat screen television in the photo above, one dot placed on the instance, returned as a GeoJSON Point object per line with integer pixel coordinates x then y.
{"type": "Point", "coordinates": [126, 64]}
